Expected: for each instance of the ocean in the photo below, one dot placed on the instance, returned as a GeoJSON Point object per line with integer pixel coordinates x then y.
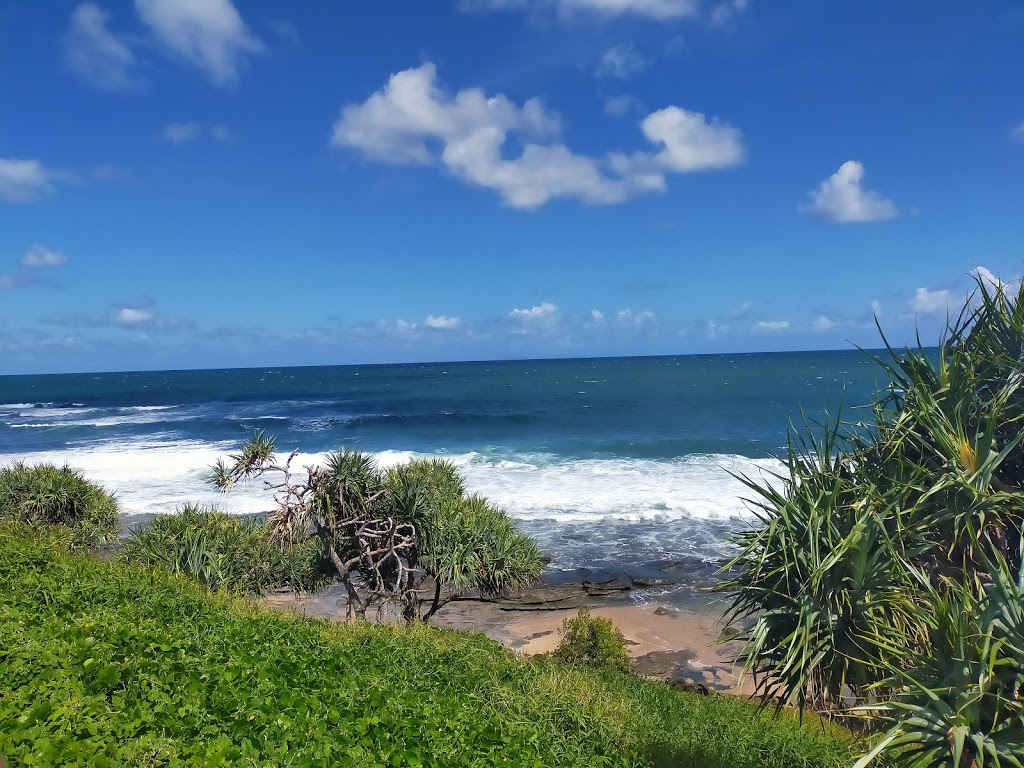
{"type": "Point", "coordinates": [613, 464]}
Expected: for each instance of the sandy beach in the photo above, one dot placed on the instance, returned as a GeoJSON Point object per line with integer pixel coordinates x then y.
{"type": "Point", "coordinates": [664, 642]}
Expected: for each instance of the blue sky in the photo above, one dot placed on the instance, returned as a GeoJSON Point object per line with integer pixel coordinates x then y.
{"type": "Point", "coordinates": [196, 183]}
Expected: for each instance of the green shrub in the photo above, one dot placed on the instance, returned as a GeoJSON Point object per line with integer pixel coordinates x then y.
{"type": "Point", "coordinates": [104, 664]}
{"type": "Point", "coordinates": [226, 552]}
{"type": "Point", "coordinates": [886, 573]}
{"type": "Point", "coordinates": [592, 641]}
{"type": "Point", "coordinates": [48, 495]}
{"type": "Point", "coordinates": [408, 536]}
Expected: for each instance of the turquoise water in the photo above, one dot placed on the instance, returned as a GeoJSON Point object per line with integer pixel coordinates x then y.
{"type": "Point", "coordinates": [615, 463]}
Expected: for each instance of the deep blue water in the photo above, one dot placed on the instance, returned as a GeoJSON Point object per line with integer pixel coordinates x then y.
{"type": "Point", "coordinates": [608, 462]}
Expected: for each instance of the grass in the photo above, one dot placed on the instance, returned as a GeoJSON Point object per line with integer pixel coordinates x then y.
{"type": "Point", "coordinates": [106, 664]}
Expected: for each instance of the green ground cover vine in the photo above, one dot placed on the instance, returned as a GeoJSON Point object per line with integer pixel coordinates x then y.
{"type": "Point", "coordinates": [105, 664]}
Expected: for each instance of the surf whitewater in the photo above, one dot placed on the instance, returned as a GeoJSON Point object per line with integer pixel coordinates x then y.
{"type": "Point", "coordinates": [613, 464]}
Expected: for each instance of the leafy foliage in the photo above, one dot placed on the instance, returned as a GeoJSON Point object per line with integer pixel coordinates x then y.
{"type": "Point", "coordinates": [104, 664]}
{"type": "Point", "coordinates": [46, 495]}
{"type": "Point", "coordinates": [592, 641]}
{"type": "Point", "coordinates": [226, 552]}
{"type": "Point", "coordinates": [961, 695]}
{"type": "Point", "coordinates": [409, 534]}
{"type": "Point", "coordinates": [886, 546]}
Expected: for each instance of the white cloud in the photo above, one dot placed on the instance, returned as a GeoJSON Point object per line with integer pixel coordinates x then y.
{"type": "Point", "coordinates": [927, 302]}
{"type": "Point", "coordinates": [39, 257]}
{"type": "Point", "coordinates": [717, 329]}
{"type": "Point", "coordinates": [134, 316]}
{"type": "Point", "coordinates": [443, 323]}
{"type": "Point", "coordinates": [597, 316]}
{"type": "Point", "coordinates": [822, 323]}
{"type": "Point", "coordinates": [1018, 133]}
{"type": "Point", "coordinates": [841, 198]}
{"type": "Point", "coordinates": [621, 61]}
{"type": "Point", "coordinates": [182, 133]}
{"type": "Point", "coordinates": [403, 123]}
{"type": "Point", "coordinates": [96, 54]}
{"type": "Point", "coordinates": [994, 283]}
{"type": "Point", "coordinates": [688, 143]}
{"type": "Point", "coordinates": [876, 308]}
{"type": "Point", "coordinates": [617, 106]}
{"type": "Point", "coordinates": [627, 317]}
{"type": "Point", "coordinates": [22, 181]}
{"type": "Point", "coordinates": [654, 9]}
{"type": "Point", "coordinates": [545, 311]}
{"type": "Point", "coordinates": [208, 33]}
{"type": "Point", "coordinates": [770, 326]}
{"type": "Point", "coordinates": [187, 132]}
{"type": "Point", "coordinates": [726, 11]}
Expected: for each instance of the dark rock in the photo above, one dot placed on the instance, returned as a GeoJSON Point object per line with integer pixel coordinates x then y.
{"type": "Point", "coordinates": [664, 664]}
{"type": "Point", "coordinates": [652, 581]}
{"type": "Point", "coordinates": [664, 610]}
{"type": "Point", "coordinates": [550, 598]}
{"type": "Point", "coordinates": [607, 586]}
{"type": "Point", "coordinates": [678, 684]}
{"type": "Point", "coordinates": [668, 565]}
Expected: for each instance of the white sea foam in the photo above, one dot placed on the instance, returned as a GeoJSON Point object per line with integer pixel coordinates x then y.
{"type": "Point", "coordinates": [159, 476]}
{"type": "Point", "coordinates": [143, 417]}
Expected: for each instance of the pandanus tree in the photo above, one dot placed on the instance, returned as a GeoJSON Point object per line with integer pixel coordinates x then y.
{"type": "Point", "coordinates": [409, 535]}
{"type": "Point", "coordinates": [885, 578]}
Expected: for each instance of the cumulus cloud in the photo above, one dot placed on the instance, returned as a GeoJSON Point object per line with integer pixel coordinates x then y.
{"type": "Point", "coordinates": [135, 316]}
{"type": "Point", "coordinates": [596, 316]}
{"type": "Point", "coordinates": [994, 283]}
{"type": "Point", "coordinates": [770, 326]}
{"type": "Point", "coordinates": [688, 142]}
{"type": "Point", "coordinates": [407, 120]}
{"type": "Point", "coordinates": [621, 61]}
{"type": "Point", "coordinates": [927, 302]}
{"type": "Point", "coordinates": [96, 54]}
{"type": "Point", "coordinates": [39, 257]}
{"type": "Point", "coordinates": [629, 318]}
{"type": "Point", "coordinates": [187, 132]}
{"type": "Point", "coordinates": [443, 323]}
{"type": "Point", "coordinates": [716, 329]}
{"type": "Point", "coordinates": [540, 312]}
{"type": "Point", "coordinates": [654, 9]}
{"type": "Point", "coordinates": [841, 198]}
{"type": "Point", "coordinates": [22, 181]}
{"type": "Point", "coordinates": [822, 323]}
{"type": "Point", "coordinates": [207, 33]}
{"type": "Point", "coordinates": [140, 314]}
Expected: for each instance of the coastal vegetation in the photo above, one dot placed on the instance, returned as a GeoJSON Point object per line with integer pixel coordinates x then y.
{"type": "Point", "coordinates": [108, 664]}
{"type": "Point", "coordinates": [885, 580]}
{"type": "Point", "coordinates": [48, 495]}
{"type": "Point", "coordinates": [229, 552]}
{"type": "Point", "coordinates": [410, 536]}
{"type": "Point", "coordinates": [592, 641]}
